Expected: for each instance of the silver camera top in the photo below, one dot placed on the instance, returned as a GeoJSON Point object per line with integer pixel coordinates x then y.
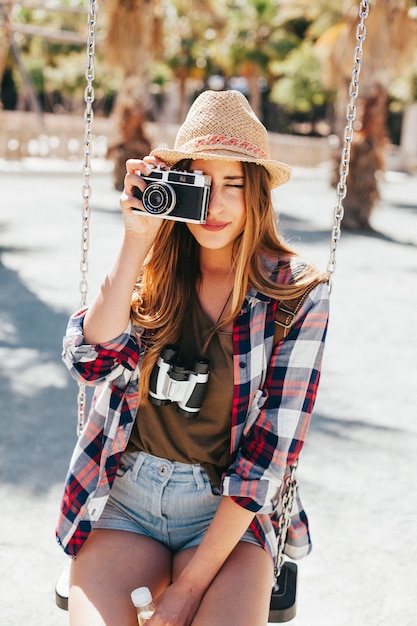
{"type": "Point", "coordinates": [173, 194]}
{"type": "Point", "coordinates": [163, 172]}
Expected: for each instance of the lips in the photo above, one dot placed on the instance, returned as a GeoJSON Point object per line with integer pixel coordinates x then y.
{"type": "Point", "coordinates": [214, 226]}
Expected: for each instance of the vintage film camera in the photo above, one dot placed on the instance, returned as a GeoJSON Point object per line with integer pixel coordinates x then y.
{"type": "Point", "coordinates": [172, 382]}
{"type": "Point", "coordinates": [175, 195]}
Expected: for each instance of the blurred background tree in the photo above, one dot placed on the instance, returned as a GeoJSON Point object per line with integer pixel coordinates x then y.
{"type": "Point", "coordinates": [292, 58]}
{"type": "Point", "coordinates": [133, 39]}
{"type": "Point", "coordinates": [390, 52]}
{"type": "Point", "coordinates": [193, 32]}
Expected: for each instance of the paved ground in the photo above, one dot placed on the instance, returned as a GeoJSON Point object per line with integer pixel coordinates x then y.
{"type": "Point", "coordinates": [358, 468]}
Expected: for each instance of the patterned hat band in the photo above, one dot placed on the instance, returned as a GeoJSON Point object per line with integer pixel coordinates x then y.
{"type": "Point", "coordinates": [223, 142]}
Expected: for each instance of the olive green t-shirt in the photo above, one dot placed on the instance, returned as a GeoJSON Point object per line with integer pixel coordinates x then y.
{"type": "Point", "coordinates": [204, 438]}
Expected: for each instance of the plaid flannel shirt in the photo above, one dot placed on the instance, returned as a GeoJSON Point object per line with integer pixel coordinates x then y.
{"type": "Point", "coordinates": [274, 394]}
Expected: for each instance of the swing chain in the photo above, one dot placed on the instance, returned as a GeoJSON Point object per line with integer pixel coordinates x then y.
{"type": "Point", "coordinates": [86, 188]}
{"type": "Point", "coordinates": [284, 519]}
{"type": "Point", "coordinates": [290, 489]}
{"type": "Point", "coordinates": [88, 120]}
{"type": "Point", "coordinates": [341, 189]}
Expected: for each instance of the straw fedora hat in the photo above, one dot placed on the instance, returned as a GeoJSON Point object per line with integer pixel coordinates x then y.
{"type": "Point", "coordinates": [221, 126]}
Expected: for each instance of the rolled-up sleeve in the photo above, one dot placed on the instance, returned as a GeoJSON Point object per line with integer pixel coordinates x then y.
{"type": "Point", "coordinates": [278, 420]}
{"type": "Point", "coordinates": [93, 364]}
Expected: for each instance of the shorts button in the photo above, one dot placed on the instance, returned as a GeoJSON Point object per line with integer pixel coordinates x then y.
{"type": "Point", "coordinates": [163, 469]}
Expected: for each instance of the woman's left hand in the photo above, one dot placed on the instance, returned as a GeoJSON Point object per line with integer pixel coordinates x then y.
{"type": "Point", "coordinates": [177, 606]}
{"type": "Point", "coordinates": [179, 603]}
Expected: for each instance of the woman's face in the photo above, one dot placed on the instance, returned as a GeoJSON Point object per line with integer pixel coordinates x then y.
{"type": "Point", "coordinates": [226, 214]}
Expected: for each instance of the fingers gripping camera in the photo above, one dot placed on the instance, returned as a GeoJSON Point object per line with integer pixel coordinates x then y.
{"type": "Point", "coordinates": [172, 382]}
{"type": "Point", "coordinates": [175, 195]}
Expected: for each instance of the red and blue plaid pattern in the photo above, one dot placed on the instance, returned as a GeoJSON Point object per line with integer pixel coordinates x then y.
{"type": "Point", "coordinates": [274, 393]}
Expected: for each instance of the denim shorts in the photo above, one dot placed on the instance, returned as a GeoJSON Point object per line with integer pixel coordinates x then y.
{"type": "Point", "coordinates": [169, 501]}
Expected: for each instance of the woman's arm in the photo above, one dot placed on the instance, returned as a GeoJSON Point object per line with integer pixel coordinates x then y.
{"type": "Point", "coordinates": [109, 314]}
{"type": "Point", "coordinates": [226, 529]}
{"type": "Point", "coordinates": [179, 603]}
{"type": "Point", "coordinates": [277, 426]}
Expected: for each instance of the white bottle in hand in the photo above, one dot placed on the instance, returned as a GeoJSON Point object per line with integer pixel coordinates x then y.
{"type": "Point", "coordinates": [142, 599]}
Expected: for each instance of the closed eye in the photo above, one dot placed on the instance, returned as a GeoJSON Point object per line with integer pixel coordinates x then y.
{"type": "Point", "coordinates": [237, 182]}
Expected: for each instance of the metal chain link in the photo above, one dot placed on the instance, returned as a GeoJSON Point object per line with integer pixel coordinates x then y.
{"type": "Point", "coordinates": [341, 189]}
{"type": "Point", "coordinates": [86, 188]}
{"type": "Point", "coordinates": [284, 519]}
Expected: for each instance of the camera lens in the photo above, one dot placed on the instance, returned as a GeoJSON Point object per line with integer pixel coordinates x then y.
{"type": "Point", "coordinates": [158, 199]}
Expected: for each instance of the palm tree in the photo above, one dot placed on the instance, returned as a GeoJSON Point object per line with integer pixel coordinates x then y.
{"type": "Point", "coordinates": [133, 39]}
{"type": "Point", "coordinates": [193, 29]}
{"type": "Point", "coordinates": [389, 51]}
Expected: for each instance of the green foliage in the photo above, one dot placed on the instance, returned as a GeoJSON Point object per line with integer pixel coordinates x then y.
{"type": "Point", "coordinates": [298, 86]}
{"type": "Point", "coordinates": [266, 40]}
{"type": "Point", "coordinates": [35, 69]}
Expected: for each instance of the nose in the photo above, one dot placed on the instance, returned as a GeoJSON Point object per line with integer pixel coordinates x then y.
{"type": "Point", "coordinates": [215, 203]}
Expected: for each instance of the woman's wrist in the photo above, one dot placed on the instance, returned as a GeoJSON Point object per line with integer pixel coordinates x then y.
{"type": "Point", "coordinates": [226, 529]}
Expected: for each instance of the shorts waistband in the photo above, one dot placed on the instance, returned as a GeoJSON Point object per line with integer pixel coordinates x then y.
{"type": "Point", "coordinates": [165, 470]}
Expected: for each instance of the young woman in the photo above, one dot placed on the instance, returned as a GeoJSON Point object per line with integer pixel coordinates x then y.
{"type": "Point", "coordinates": [187, 505]}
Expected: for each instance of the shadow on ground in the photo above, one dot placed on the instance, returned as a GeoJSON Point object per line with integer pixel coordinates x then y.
{"type": "Point", "coordinates": [296, 229]}
{"type": "Point", "coordinates": [38, 398]}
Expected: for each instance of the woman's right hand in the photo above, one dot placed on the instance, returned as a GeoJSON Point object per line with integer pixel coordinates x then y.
{"type": "Point", "coordinates": [138, 223]}
{"type": "Point", "coordinates": [109, 313]}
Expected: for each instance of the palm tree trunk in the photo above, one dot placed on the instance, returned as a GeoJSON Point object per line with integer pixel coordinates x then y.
{"type": "Point", "coordinates": [132, 38]}
{"type": "Point", "coordinates": [366, 163]}
{"type": "Point", "coordinates": [389, 50]}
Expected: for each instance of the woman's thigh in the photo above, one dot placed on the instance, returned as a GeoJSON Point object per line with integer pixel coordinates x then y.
{"type": "Point", "coordinates": [110, 565]}
{"type": "Point", "coordinates": [241, 592]}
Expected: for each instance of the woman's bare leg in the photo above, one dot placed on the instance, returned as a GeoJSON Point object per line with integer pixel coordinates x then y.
{"type": "Point", "coordinates": [241, 592]}
{"type": "Point", "coordinates": [110, 565]}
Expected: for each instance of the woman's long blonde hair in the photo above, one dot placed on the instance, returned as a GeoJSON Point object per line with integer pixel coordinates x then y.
{"type": "Point", "coordinates": [167, 283]}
